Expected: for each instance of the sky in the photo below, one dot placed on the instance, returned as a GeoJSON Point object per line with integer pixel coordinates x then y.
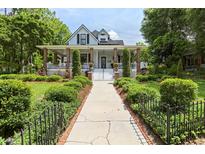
{"type": "Point", "coordinates": [120, 23]}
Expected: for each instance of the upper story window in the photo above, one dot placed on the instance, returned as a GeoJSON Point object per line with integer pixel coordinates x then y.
{"type": "Point", "coordinates": [83, 39]}
{"type": "Point", "coordinates": [102, 39]}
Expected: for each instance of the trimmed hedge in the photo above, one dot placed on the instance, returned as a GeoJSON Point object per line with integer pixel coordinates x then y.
{"type": "Point", "coordinates": [54, 78]}
{"type": "Point", "coordinates": [135, 91]}
{"type": "Point", "coordinates": [123, 81]}
{"type": "Point", "coordinates": [14, 104]}
{"type": "Point", "coordinates": [61, 94]}
{"type": "Point", "coordinates": [31, 77]}
{"type": "Point", "coordinates": [178, 92]}
{"type": "Point", "coordinates": [76, 69]}
{"type": "Point", "coordinates": [152, 77]}
{"type": "Point", "coordinates": [41, 78]}
{"type": "Point", "coordinates": [75, 84]}
{"type": "Point", "coordinates": [138, 92]}
{"type": "Point", "coordinates": [83, 80]}
{"type": "Point", "coordinates": [126, 63]}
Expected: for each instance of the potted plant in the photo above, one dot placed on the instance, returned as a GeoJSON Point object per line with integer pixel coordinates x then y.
{"type": "Point", "coordinates": [90, 67]}
{"type": "Point", "coordinates": [115, 65]}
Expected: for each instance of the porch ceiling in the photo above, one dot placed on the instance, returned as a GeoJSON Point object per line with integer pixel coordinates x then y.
{"type": "Point", "coordinates": [97, 47]}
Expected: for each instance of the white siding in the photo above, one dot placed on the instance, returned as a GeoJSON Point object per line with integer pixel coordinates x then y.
{"type": "Point", "coordinates": [73, 40]}
{"type": "Point", "coordinates": [103, 36]}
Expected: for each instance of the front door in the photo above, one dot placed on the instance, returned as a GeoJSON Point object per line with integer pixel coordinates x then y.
{"type": "Point", "coordinates": [103, 62]}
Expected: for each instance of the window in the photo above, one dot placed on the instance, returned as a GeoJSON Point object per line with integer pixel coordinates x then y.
{"type": "Point", "coordinates": [83, 39]}
{"type": "Point", "coordinates": [83, 58]}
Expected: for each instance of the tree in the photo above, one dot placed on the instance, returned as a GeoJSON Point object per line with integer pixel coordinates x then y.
{"type": "Point", "coordinates": [166, 31]}
{"type": "Point", "coordinates": [76, 70]}
{"type": "Point", "coordinates": [22, 30]}
{"type": "Point", "coordinates": [145, 55]}
{"type": "Point", "coordinates": [38, 60]}
{"type": "Point", "coordinates": [197, 20]}
{"type": "Point", "coordinates": [179, 68]}
{"type": "Point", "coordinates": [126, 63]}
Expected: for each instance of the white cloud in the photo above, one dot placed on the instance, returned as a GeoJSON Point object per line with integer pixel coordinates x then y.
{"type": "Point", "coordinates": [113, 35]}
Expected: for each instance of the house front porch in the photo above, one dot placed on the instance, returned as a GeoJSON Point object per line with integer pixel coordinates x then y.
{"type": "Point", "coordinates": [101, 56]}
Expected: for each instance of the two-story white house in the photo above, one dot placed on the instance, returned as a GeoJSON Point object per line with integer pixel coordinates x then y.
{"type": "Point", "coordinates": [96, 47]}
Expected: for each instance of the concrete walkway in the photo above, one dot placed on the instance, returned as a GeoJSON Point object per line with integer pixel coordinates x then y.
{"type": "Point", "coordinates": [104, 119]}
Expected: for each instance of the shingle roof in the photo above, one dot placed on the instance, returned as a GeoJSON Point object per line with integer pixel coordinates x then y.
{"type": "Point", "coordinates": [95, 33]}
{"type": "Point", "coordinates": [111, 42]}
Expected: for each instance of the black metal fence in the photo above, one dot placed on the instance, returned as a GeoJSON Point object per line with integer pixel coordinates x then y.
{"type": "Point", "coordinates": [43, 129]}
{"type": "Point", "coordinates": [174, 125]}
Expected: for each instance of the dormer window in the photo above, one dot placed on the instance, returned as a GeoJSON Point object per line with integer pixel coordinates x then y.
{"type": "Point", "coordinates": [102, 39]}
{"type": "Point", "coordinates": [83, 39]}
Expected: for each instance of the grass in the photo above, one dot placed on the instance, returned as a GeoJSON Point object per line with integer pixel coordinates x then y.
{"type": "Point", "coordinates": [39, 88]}
{"type": "Point", "coordinates": [200, 82]}
{"type": "Point", "coordinates": [201, 88]}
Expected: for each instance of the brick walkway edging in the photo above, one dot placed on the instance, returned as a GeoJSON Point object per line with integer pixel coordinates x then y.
{"type": "Point", "coordinates": [136, 120]}
{"type": "Point", "coordinates": [64, 136]}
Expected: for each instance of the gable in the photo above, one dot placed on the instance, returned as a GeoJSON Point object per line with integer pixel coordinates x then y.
{"type": "Point", "coordinates": [82, 30]}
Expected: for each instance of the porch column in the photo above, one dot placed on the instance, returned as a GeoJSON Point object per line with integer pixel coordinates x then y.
{"type": "Point", "coordinates": [115, 55]}
{"type": "Point", "coordinates": [55, 57]}
{"type": "Point", "coordinates": [45, 59]}
{"type": "Point", "coordinates": [91, 55]}
{"type": "Point", "coordinates": [138, 61]}
{"type": "Point", "coordinates": [68, 74]}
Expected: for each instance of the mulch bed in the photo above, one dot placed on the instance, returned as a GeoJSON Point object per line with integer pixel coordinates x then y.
{"type": "Point", "coordinates": [83, 94]}
{"type": "Point", "coordinates": [147, 132]}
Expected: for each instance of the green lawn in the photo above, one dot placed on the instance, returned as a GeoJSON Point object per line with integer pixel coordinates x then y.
{"type": "Point", "coordinates": [201, 84]}
{"type": "Point", "coordinates": [38, 89]}
{"type": "Point", "coordinates": [201, 88]}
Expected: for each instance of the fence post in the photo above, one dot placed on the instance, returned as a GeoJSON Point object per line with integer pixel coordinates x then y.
{"type": "Point", "coordinates": [29, 133]}
{"type": "Point", "coordinates": [168, 124]}
{"type": "Point", "coordinates": [22, 139]}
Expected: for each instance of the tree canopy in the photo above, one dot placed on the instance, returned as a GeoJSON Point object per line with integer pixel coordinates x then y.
{"type": "Point", "coordinates": [171, 33]}
{"type": "Point", "coordinates": [23, 29]}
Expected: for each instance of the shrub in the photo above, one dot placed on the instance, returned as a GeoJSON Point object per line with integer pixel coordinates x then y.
{"type": "Point", "coordinates": [142, 78]}
{"type": "Point", "coordinates": [161, 69]}
{"type": "Point", "coordinates": [75, 84]}
{"type": "Point", "coordinates": [76, 70]}
{"type": "Point", "coordinates": [166, 77]}
{"type": "Point", "coordinates": [126, 63]}
{"type": "Point", "coordinates": [172, 70]}
{"type": "Point", "coordinates": [41, 78]}
{"type": "Point", "coordinates": [53, 78]}
{"type": "Point", "coordinates": [2, 141]}
{"type": "Point", "coordinates": [122, 81]}
{"type": "Point", "coordinates": [136, 92]}
{"type": "Point", "coordinates": [8, 76]}
{"type": "Point", "coordinates": [61, 93]}
{"type": "Point", "coordinates": [178, 92]}
{"type": "Point", "coordinates": [26, 77]}
{"type": "Point", "coordinates": [83, 80]}
{"type": "Point", "coordinates": [14, 102]}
